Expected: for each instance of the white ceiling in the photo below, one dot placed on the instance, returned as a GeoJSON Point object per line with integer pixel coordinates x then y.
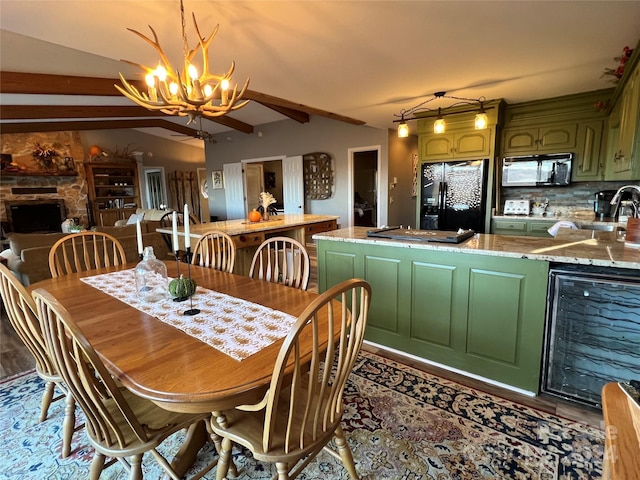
{"type": "Point", "coordinates": [363, 59]}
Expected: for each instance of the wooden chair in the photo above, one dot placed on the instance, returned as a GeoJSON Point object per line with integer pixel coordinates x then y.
{"type": "Point", "coordinates": [119, 423]}
{"type": "Point", "coordinates": [21, 311]}
{"type": "Point", "coordinates": [82, 251]}
{"type": "Point", "coordinates": [215, 250]}
{"type": "Point", "coordinates": [282, 260]}
{"type": "Point", "coordinates": [166, 221]}
{"type": "Point", "coordinates": [302, 409]}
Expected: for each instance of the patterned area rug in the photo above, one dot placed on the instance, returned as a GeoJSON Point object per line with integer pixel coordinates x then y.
{"type": "Point", "coordinates": [401, 423]}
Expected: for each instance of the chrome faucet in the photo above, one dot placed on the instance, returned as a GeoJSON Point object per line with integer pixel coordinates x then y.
{"type": "Point", "coordinates": [616, 200]}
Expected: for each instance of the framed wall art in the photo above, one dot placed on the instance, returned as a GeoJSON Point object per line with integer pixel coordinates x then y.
{"type": "Point", "coordinates": [217, 180]}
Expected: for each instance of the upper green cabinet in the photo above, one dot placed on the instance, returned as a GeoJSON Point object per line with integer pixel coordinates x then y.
{"type": "Point", "coordinates": [589, 162]}
{"type": "Point", "coordinates": [471, 144]}
{"type": "Point", "coordinates": [571, 123]}
{"type": "Point", "coordinates": [623, 143]}
{"type": "Point", "coordinates": [548, 139]}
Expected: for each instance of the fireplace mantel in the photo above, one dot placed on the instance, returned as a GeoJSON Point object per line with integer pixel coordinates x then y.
{"type": "Point", "coordinates": [9, 174]}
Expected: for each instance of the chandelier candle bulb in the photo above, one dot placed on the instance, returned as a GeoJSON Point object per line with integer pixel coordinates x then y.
{"type": "Point", "coordinates": [187, 238]}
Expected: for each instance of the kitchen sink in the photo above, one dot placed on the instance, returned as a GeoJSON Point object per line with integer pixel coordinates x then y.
{"type": "Point", "coordinates": [603, 227]}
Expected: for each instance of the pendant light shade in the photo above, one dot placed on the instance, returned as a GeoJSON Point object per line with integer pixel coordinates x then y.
{"type": "Point", "coordinates": [481, 121]}
{"type": "Point", "coordinates": [439, 125]}
{"type": "Point", "coordinates": [403, 130]}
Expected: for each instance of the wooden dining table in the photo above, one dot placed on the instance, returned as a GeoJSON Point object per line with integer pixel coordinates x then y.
{"type": "Point", "coordinates": [159, 362]}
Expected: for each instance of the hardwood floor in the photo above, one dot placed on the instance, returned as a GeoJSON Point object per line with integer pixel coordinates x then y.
{"type": "Point", "coordinates": [14, 358]}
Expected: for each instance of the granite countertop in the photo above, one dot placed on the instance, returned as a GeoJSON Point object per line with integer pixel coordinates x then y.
{"type": "Point", "coordinates": [581, 247]}
{"type": "Point", "coordinates": [242, 226]}
{"type": "Point", "coordinates": [577, 219]}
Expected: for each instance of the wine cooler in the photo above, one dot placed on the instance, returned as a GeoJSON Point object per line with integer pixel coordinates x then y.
{"type": "Point", "coordinates": [592, 333]}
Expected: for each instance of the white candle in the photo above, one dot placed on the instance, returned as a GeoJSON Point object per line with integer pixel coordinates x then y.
{"type": "Point", "coordinates": [175, 232]}
{"type": "Point", "coordinates": [139, 235]}
{"type": "Point", "coordinates": [187, 238]}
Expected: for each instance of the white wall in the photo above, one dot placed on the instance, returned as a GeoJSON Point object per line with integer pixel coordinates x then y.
{"type": "Point", "coordinates": [291, 138]}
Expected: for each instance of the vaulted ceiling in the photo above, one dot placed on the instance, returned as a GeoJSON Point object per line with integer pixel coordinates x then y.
{"type": "Point", "coordinates": [354, 61]}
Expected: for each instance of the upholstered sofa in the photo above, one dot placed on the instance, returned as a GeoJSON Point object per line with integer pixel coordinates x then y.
{"type": "Point", "coordinates": [28, 253]}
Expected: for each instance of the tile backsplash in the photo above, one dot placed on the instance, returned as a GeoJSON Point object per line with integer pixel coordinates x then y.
{"type": "Point", "coordinates": [564, 200]}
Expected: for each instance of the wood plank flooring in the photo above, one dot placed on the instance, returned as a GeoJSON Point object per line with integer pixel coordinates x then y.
{"type": "Point", "coordinates": [15, 358]}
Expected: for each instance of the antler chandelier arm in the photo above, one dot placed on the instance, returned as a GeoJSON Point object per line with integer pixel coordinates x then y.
{"type": "Point", "coordinates": [186, 92]}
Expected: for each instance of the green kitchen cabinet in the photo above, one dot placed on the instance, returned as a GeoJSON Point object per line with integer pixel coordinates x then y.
{"type": "Point", "coordinates": [589, 162]}
{"type": "Point", "coordinates": [530, 227]}
{"type": "Point", "coordinates": [481, 314]}
{"type": "Point", "coordinates": [623, 144]}
{"type": "Point", "coordinates": [457, 145]}
{"type": "Point", "coordinates": [548, 138]}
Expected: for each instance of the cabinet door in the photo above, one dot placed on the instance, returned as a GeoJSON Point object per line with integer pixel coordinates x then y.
{"type": "Point", "coordinates": [552, 138]}
{"type": "Point", "coordinates": [509, 227]}
{"type": "Point", "coordinates": [622, 160]}
{"type": "Point", "coordinates": [520, 140]}
{"type": "Point", "coordinates": [472, 144]}
{"type": "Point", "coordinates": [436, 147]}
{"type": "Point", "coordinates": [556, 138]}
{"type": "Point", "coordinates": [588, 165]}
{"type": "Point", "coordinates": [540, 229]}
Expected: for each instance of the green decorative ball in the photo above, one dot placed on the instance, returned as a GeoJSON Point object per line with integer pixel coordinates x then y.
{"type": "Point", "coordinates": [182, 287]}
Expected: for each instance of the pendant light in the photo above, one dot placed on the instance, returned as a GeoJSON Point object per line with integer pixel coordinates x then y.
{"type": "Point", "coordinates": [481, 120]}
{"type": "Point", "coordinates": [439, 125]}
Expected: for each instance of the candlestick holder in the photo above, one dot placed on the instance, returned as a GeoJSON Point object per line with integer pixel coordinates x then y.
{"type": "Point", "coordinates": [191, 311]}
{"type": "Point", "coordinates": [177, 255]}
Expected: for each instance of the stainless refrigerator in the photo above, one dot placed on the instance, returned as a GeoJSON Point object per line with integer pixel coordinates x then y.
{"type": "Point", "coordinates": [452, 195]}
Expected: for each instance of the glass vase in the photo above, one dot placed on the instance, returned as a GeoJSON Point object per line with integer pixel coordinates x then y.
{"type": "Point", "coordinates": [151, 278]}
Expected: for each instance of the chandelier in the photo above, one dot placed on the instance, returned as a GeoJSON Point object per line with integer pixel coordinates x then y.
{"type": "Point", "coordinates": [189, 92]}
{"type": "Point", "coordinates": [481, 120]}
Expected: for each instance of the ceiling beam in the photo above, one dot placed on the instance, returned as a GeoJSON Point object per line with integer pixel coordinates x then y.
{"type": "Point", "coordinates": [269, 101]}
{"type": "Point", "coordinates": [48, 84]}
{"type": "Point", "coordinates": [26, 127]}
{"type": "Point", "coordinates": [43, 112]}
{"type": "Point", "coordinates": [297, 115]}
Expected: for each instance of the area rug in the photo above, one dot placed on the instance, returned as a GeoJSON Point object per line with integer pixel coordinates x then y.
{"type": "Point", "coordinates": [401, 423]}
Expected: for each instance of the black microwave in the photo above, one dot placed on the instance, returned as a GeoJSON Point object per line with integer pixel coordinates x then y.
{"type": "Point", "coordinates": [553, 169]}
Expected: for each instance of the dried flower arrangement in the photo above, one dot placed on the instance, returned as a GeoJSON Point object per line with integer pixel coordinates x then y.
{"type": "Point", "coordinates": [45, 156]}
{"type": "Point", "coordinates": [266, 200]}
{"type": "Point", "coordinates": [619, 70]}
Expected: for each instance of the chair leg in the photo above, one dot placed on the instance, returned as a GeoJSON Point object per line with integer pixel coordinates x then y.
{"type": "Point", "coordinates": [136, 467]}
{"type": "Point", "coordinates": [224, 459]}
{"type": "Point", "coordinates": [47, 395]}
{"type": "Point", "coordinates": [345, 453]}
{"type": "Point", "coordinates": [96, 466]}
{"type": "Point", "coordinates": [283, 471]}
{"type": "Point", "coordinates": [69, 424]}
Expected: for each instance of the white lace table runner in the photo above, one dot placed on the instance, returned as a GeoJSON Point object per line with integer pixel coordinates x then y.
{"type": "Point", "coordinates": [234, 326]}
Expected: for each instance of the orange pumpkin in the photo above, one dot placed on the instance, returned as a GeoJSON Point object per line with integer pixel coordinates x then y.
{"type": "Point", "coordinates": [254, 216]}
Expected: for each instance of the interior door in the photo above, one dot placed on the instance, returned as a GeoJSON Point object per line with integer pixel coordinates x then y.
{"type": "Point", "coordinates": [254, 184]}
{"type": "Point", "coordinates": [293, 184]}
{"type": "Point", "coordinates": [234, 191]}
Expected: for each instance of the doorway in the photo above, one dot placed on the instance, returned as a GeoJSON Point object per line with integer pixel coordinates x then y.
{"type": "Point", "coordinates": [154, 187]}
{"type": "Point", "coordinates": [363, 186]}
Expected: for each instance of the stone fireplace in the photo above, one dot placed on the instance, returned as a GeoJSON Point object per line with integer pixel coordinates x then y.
{"type": "Point", "coordinates": [67, 192]}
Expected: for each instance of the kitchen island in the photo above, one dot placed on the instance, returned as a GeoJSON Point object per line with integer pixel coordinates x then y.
{"type": "Point", "coordinates": [248, 235]}
{"type": "Point", "coordinates": [477, 307]}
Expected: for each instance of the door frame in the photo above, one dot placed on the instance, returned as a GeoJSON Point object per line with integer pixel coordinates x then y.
{"type": "Point", "coordinates": [145, 184]}
{"type": "Point", "coordinates": [350, 176]}
{"type": "Point", "coordinates": [256, 160]}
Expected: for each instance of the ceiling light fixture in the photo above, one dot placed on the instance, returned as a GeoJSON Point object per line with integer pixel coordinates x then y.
{"type": "Point", "coordinates": [481, 120]}
{"type": "Point", "coordinates": [186, 93]}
